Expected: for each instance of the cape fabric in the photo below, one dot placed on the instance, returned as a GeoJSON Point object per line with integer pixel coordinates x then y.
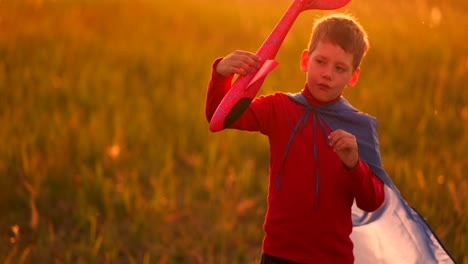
{"type": "Point", "coordinates": [394, 233]}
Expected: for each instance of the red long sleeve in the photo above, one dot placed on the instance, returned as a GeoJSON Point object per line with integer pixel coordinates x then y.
{"type": "Point", "coordinates": [368, 189]}
{"type": "Point", "coordinates": [218, 86]}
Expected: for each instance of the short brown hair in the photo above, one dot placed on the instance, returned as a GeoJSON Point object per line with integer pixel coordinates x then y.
{"type": "Point", "coordinates": [344, 31]}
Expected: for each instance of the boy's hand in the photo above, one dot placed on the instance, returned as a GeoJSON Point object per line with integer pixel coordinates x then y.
{"type": "Point", "coordinates": [240, 62]}
{"type": "Point", "coordinates": [345, 145]}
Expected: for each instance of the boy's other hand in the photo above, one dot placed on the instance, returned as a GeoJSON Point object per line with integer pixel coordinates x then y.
{"type": "Point", "coordinates": [240, 62]}
{"type": "Point", "coordinates": [345, 145]}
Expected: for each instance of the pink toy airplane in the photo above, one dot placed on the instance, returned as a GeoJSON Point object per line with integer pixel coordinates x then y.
{"type": "Point", "coordinates": [245, 88]}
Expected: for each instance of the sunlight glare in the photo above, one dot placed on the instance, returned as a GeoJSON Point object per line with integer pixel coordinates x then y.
{"type": "Point", "coordinates": [464, 114]}
{"type": "Point", "coordinates": [15, 230]}
{"type": "Point", "coordinates": [441, 179]}
{"type": "Point", "coordinates": [436, 16]}
{"type": "Point", "coordinates": [114, 151]}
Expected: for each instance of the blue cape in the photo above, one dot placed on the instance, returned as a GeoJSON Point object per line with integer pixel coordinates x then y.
{"type": "Point", "coordinates": [394, 233]}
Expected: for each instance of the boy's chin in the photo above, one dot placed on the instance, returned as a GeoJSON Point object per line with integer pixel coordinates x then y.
{"type": "Point", "coordinates": [324, 98]}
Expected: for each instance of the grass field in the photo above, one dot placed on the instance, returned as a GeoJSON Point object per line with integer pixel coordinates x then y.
{"type": "Point", "coordinates": [105, 152]}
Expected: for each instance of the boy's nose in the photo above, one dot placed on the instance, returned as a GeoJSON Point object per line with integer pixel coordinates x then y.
{"type": "Point", "coordinates": [326, 75]}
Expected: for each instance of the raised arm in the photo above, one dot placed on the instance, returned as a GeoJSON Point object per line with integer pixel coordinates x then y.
{"type": "Point", "coordinates": [238, 62]}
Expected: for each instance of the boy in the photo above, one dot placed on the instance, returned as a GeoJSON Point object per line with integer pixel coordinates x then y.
{"type": "Point", "coordinates": [315, 171]}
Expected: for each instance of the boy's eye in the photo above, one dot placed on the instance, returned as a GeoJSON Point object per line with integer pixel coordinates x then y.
{"type": "Point", "coordinates": [319, 61]}
{"type": "Point", "coordinates": [340, 69]}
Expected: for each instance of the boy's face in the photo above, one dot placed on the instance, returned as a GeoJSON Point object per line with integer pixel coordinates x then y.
{"type": "Point", "coordinates": [329, 69]}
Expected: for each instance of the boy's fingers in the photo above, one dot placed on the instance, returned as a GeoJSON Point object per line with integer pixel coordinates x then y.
{"type": "Point", "coordinates": [242, 68]}
{"type": "Point", "coordinates": [230, 66]}
{"type": "Point", "coordinates": [334, 136]}
{"type": "Point", "coordinates": [254, 63]}
{"type": "Point", "coordinates": [341, 145]}
{"type": "Point", "coordinates": [248, 54]}
{"type": "Point", "coordinates": [250, 61]}
{"type": "Point", "coordinates": [339, 139]}
{"type": "Point", "coordinates": [248, 57]}
{"type": "Point", "coordinates": [239, 62]}
{"type": "Point", "coordinates": [238, 71]}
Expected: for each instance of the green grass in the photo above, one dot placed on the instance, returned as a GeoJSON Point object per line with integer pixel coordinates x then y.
{"type": "Point", "coordinates": [106, 155]}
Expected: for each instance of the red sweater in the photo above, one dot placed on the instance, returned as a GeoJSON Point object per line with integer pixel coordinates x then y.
{"type": "Point", "coordinates": [294, 228]}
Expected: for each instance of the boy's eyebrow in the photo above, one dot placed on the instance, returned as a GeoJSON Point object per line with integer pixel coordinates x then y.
{"type": "Point", "coordinates": [319, 56]}
{"type": "Point", "coordinates": [341, 63]}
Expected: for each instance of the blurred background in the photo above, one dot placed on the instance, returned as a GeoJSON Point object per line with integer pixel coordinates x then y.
{"type": "Point", "coordinates": [105, 153]}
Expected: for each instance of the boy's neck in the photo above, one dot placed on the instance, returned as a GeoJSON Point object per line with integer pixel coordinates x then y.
{"type": "Point", "coordinates": [314, 101]}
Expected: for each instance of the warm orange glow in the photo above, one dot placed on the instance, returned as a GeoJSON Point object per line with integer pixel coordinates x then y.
{"type": "Point", "coordinates": [436, 16]}
{"type": "Point", "coordinates": [421, 181]}
{"type": "Point", "coordinates": [441, 179]}
{"type": "Point", "coordinates": [15, 230]}
{"type": "Point", "coordinates": [114, 151]}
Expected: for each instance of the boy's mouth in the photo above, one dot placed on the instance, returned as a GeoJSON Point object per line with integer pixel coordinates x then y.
{"type": "Point", "coordinates": [323, 86]}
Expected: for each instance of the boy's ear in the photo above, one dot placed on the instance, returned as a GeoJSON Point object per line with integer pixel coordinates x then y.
{"type": "Point", "coordinates": [304, 60]}
{"type": "Point", "coordinates": [354, 77]}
